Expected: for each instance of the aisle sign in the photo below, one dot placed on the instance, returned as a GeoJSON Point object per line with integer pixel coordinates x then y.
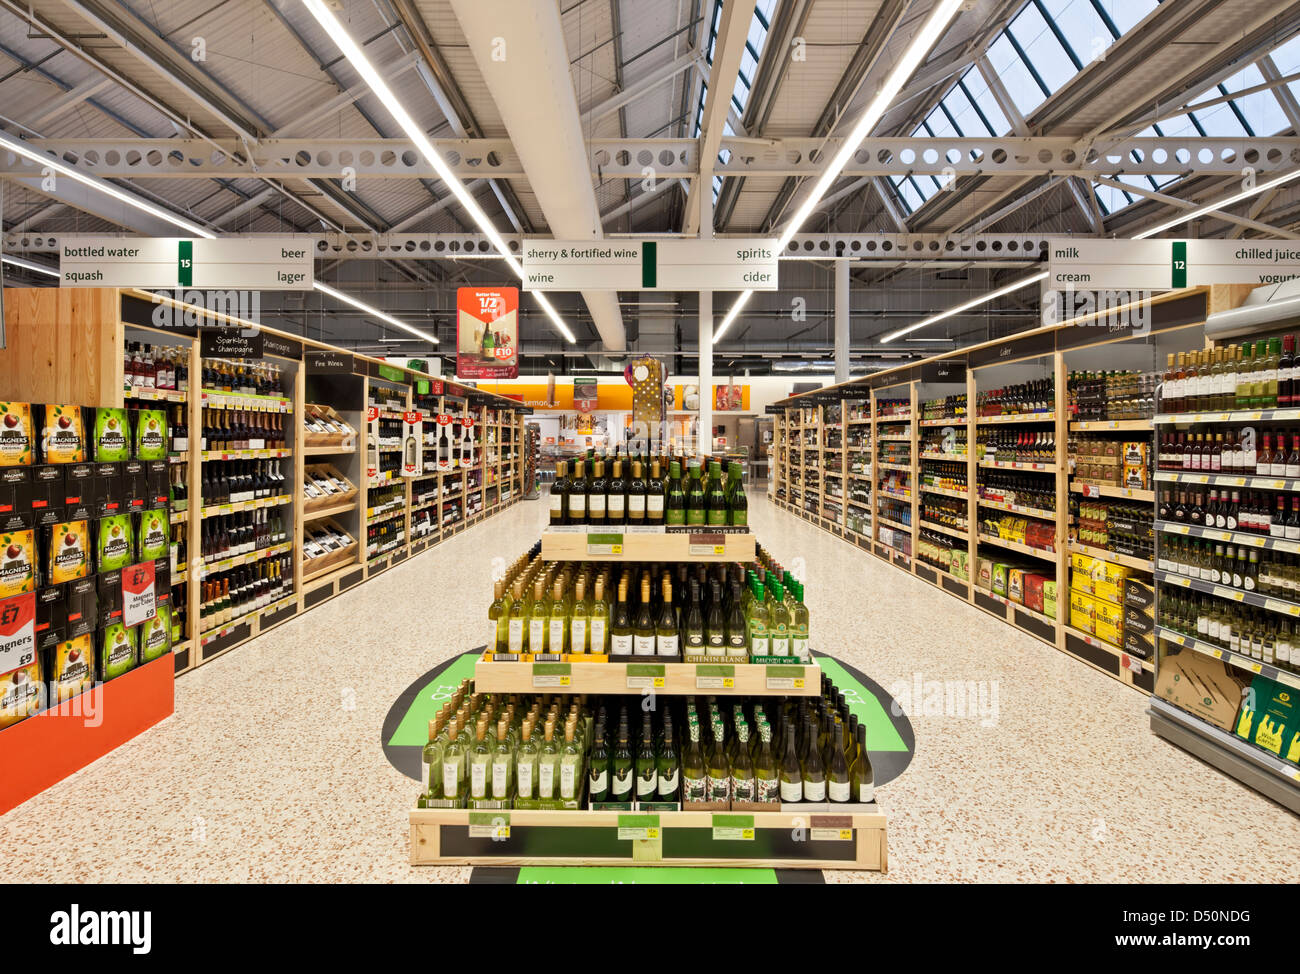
{"type": "Point", "coordinates": [722, 264]}
{"type": "Point", "coordinates": [244, 263]}
{"type": "Point", "coordinates": [138, 603]}
{"type": "Point", "coordinates": [1083, 264]}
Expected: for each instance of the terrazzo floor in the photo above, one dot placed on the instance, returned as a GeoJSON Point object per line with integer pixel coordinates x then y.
{"type": "Point", "coordinates": [271, 769]}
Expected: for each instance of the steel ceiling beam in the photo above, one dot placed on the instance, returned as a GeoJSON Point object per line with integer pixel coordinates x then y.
{"type": "Point", "coordinates": [475, 246]}
{"type": "Point", "coordinates": [626, 158]}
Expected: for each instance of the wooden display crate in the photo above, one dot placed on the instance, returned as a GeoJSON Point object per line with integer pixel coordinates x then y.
{"type": "Point", "coordinates": [328, 442]}
{"type": "Point", "coordinates": [331, 502]}
{"type": "Point", "coordinates": [315, 567]}
{"type": "Point", "coordinates": [615, 544]}
{"type": "Point", "coordinates": [777, 840]}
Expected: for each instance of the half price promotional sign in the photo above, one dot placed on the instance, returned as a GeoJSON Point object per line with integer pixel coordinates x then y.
{"type": "Point", "coordinates": [487, 332]}
{"type": "Point", "coordinates": [138, 603]}
{"type": "Point", "coordinates": [412, 441]}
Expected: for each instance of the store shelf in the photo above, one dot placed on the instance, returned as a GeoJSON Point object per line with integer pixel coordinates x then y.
{"type": "Point", "coordinates": [208, 455]}
{"type": "Point", "coordinates": [215, 632]}
{"type": "Point", "coordinates": [893, 439]}
{"type": "Point", "coordinates": [1280, 606]}
{"type": "Point", "coordinates": [387, 515]}
{"type": "Point", "coordinates": [925, 525]}
{"type": "Point", "coordinates": [1010, 465]}
{"type": "Point", "coordinates": [1110, 490]}
{"type": "Point", "coordinates": [896, 525]}
{"type": "Point", "coordinates": [894, 419]}
{"type": "Point", "coordinates": [904, 467]}
{"type": "Point", "coordinates": [1024, 549]}
{"type": "Point", "coordinates": [1116, 651]}
{"type": "Point", "coordinates": [1017, 509]}
{"type": "Point", "coordinates": [1128, 561]}
{"type": "Point", "coordinates": [1257, 667]}
{"type": "Point", "coordinates": [953, 421]}
{"type": "Point", "coordinates": [337, 509]}
{"type": "Point", "coordinates": [945, 457]}
{"type": "Point", "coordinates": [833, 837]}
{"type": "Point", "coordinates": [215, 510]}
{"type": "Point", "coordinates": [321, 451]}
{"type": "Point", "coordinates": [614, 544]}
{"type": "Point", "coordinates": [212, 567]}
{"type": "Point", "coordinates": [1233, 416]}
{"type": "Point", "coordinates": [180, 517]}
{"type": "Point", "coordinates": [896, 495]}
{"type": "Point", "coordinates": [238, 400]}
{"type": "Point", "coordinates": [1017, 418]}
{"type": "Point", "coordinates": [1229, 480]}
{"type": "Point", "coordinates": [154, 395]}
{"type": "Point", "coordinates": [1115, 425]}
{"type": "Point", "coordinates": [1248, 538]}
{"type": "Point", "coordinates": [575, 675]}
{"type": "Point", "coordinates": [944, 491]}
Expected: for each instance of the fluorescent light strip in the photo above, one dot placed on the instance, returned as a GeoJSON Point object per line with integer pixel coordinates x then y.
{"type": "Point", "coordinates": [30, 265]}
{"type": "Point", "coordinates": [926, 38]}
{"type": "Point", "coordinates": [1245, 194]}
{"type": "Point", "coordinates": [1144, 235]}
{"type": "Point", "coordinates": [362, 306]}
{"type": "Point", "coordinates": [361, 64]}
{"type": "Point", "coordinates": [966, 306]}
{"type": "Point", "coordinates": [108, 189]}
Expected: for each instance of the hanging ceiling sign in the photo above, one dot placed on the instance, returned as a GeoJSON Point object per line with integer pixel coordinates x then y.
{"type": "Point", "coordinates": [1081, 264]}
{"type": "Point", "coordinates": [236, 263]}
{"type": "Point", "coordinates": [721, 264]}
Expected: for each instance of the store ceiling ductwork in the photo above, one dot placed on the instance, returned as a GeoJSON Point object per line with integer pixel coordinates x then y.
{"type": "Point", "coordinates": [520, 51]}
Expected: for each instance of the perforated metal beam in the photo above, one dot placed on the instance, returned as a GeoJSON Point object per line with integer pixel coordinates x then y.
{"type": "Point", "coordinates": [496, 158]}
{"type": "Point", "coordinates": [893, 247]}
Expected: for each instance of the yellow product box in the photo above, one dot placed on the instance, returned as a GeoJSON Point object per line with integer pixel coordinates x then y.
{"type": "Point", "coordinates": [1080, 581]}
{"type": "Point", "coordinates": [1135, 476]}
{"type": "Point", "coordinates": [1109, 613]}
{"type": "Point", "coordinates": [985, 578]}
{"type": "Point", "coordinates": [1016, 585]}
{"type": "Point", "coordinates": [1108, 633]}
{"type": "Point", "coordinates": [1049, 598]}
{"type": "Point", "coordinates": [1108, 591]}
{"type": "Point", "coordinates": [1082, 614]}
{"type": "Point", "coordinates": [1136, 453]}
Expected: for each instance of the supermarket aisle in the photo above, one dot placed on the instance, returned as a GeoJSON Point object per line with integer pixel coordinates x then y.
{"type": "Point", "coordinates": [272, 768]}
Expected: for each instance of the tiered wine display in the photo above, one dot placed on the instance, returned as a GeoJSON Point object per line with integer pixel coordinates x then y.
{"type": "Point", "coordinates": [895, 486]}
{"type": "Point", "coordinates": [246, 566]}
{"type": "Point", "coordinates": [1111, 508]}
{"type": "Point", "coordinates": [549, 755]}
{"type": "Point", "coordinates": [1227, 600]}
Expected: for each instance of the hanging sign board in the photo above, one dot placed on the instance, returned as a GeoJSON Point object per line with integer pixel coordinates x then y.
{"type": "Point", "coordinates": [320, 363]}
{"type": "Point", "coordinates": [230, 343]}
{"type": "Point", "coordinates": [730, 264]}
{"type": "Point", "coordinates": [1081, 264]}
{"type": "Point", "coordinates": [487, 332]}
{"type": "Point", "coordinates": [242, 263]}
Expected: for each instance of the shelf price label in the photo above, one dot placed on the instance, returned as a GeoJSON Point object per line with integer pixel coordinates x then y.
{"type": "Point", "coordinates": [706, 544]}
{"type": "Point", "coordinates": [711, 676]}
{"type": "Point", "coordinates": [733, 828]}
{"type": "Point", "coordinates": [638, 828]}
{"type": "Point", "coordinates": [645, 676]}
{"type": "Point", "coordinates": [547, 675]}
{"type": "Point", "coordinates": [604, 544]}
{"type": "Point", "coordinates": [785, 677]}
{"type": "Point", "coordinates": [489, 825]}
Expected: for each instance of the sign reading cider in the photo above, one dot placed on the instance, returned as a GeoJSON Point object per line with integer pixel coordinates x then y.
{"type": "Point", "coordinates": [487, 332]}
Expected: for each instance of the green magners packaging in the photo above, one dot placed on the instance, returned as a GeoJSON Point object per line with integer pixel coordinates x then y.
{"type": "Point", "coordinates": [112, 435]}
{"type": "Point", "coordinates": [156, 634]}
{"type": "Point", "coordinates": [114, 545]}
{"type": "Point", "coordinates": [117, 653]}
{"type": "Point", "coordinates": [151, 434]}
{"type": "Point", "coordinates": [72, 669]}
{"type": "Point", "coordinates": [152, 535]}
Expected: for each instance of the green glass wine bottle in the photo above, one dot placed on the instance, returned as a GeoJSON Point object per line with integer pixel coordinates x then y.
{"type": "Point", "coordinates": [675, 503]}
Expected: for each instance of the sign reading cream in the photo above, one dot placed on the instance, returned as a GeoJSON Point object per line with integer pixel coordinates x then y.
{"type": "Point", "coordinates": [1081, 264]}
{"type": "Point", "coordinates": [723, 264]}
{"type": "Point", "coordinates": [240, 263]}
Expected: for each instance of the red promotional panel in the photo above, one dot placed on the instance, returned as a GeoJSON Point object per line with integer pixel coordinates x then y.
{"type": "Point", "coordinates": [138, 594]}
{"type": "Point", "coordinates": [487, 332]}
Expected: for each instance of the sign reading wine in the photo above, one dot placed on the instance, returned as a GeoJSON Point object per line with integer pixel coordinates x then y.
{"type": "Point", "coordinates": [487, 332]}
